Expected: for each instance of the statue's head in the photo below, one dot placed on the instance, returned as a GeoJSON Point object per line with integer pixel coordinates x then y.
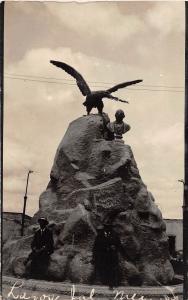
{"type": "Point", "coordinates": [119, 115]}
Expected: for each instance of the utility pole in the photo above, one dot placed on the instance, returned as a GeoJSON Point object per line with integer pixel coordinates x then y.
{"type": "Point", "coordinates": [25, 201]}
{"type": "Point", "coordinates": [185, 194]}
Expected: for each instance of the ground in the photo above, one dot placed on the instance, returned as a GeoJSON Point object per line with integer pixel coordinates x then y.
{"type": "Point", "coordinates": [35, 290]}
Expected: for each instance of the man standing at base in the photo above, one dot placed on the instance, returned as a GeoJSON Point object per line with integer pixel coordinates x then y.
{"type": "Point", "coordinates": [42, 247]}
{"type": "Point", "coordinates": [105, 256]}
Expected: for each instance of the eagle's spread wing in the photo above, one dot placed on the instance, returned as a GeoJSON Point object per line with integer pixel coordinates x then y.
{"type": "Point", "coordinates": [83, 86]}
{"type": "Point", "coordinates": [123, 85]}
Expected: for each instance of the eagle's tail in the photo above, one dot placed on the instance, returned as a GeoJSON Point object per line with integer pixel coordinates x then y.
{"type": "Point", "coordinates": [116, 99]}
{"type": "Point", "coordinates": [124, 101]}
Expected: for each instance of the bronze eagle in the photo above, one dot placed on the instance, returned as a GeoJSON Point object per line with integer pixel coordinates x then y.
{"type": "Point", "coordinates": [93, 98]}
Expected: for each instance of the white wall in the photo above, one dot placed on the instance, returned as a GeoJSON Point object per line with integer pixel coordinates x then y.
{"type": "Point", "coordinates": [175, 227]}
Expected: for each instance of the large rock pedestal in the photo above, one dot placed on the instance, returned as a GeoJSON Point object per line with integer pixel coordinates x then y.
{"type": "Point", "coordinates": [94, 181]}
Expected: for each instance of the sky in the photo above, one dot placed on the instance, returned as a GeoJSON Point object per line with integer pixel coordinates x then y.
{"type": "Point", "coordinates": [108, 43]}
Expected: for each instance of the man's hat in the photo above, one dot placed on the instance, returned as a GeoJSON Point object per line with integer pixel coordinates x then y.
{"type": "Point", "coordinates": [42, 219]}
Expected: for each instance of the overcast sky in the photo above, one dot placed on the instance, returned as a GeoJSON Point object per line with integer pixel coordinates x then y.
{"type": "Point", "coordinates": [107, 42]}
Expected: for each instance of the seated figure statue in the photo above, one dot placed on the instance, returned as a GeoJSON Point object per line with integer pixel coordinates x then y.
{"type": "Point", "coordinates": [118, 127]}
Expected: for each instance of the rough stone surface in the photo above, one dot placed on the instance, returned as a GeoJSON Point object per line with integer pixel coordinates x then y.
{"type": "Point", "coordinates": [94, 181]}
{"type": "Point", "coordinates": [18, 267]}
{"type": "Point", "coordinates": [58, 267]}
{"type": "Point", "coordinates": [157, 272]}
{"type": "Point", "coordinates": [81, 269]}
{"type": "Point", "coordinates": [128, 272]}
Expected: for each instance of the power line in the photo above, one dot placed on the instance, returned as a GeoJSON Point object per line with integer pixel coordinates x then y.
{"type": "Point", "coordinates": [102, 82]}
{"type": "Point", "coordinates": [95, 86]}
{"type": "Point", "coordinates": [37, 80]}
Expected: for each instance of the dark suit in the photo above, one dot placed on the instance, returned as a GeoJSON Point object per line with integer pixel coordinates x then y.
{"type": "Point", "coordinates": [42, 247]}
{"type": "Point", "coordinates": [43, 239]}
{"type": "Point", "coordinates": [105, 257]}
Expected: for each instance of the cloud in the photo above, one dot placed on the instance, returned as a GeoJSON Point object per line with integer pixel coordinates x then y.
{"type": "Point", "coordinates": [17, 158]}
{"type": "Point", "coordinates": [120, 32]}
{"type": "Point", "coordinates": [165, 137]}
{"type": "Point", "coordinates": [107, 22]}
{"type": "Point", "coordinates": [166, 17]}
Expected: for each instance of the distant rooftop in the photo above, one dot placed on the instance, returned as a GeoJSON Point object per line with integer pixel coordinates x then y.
{"type": "Point", "coordinates": [179, 220]}
{"type": "Point", "coordinates": [15, 213]}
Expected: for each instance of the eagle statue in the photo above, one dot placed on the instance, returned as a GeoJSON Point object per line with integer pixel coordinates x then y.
{"type": "Point", "coordinates": [93, 98]}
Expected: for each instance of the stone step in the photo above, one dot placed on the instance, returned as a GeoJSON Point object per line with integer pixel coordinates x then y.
{"type": "Point", "coordinates": [15, 288]}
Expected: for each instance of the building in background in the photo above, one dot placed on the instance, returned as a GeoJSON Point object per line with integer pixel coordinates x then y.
{"type": "Point", "coordinates": [174, 229]}
{"type": "Point", "coordinates": [12, 225]}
